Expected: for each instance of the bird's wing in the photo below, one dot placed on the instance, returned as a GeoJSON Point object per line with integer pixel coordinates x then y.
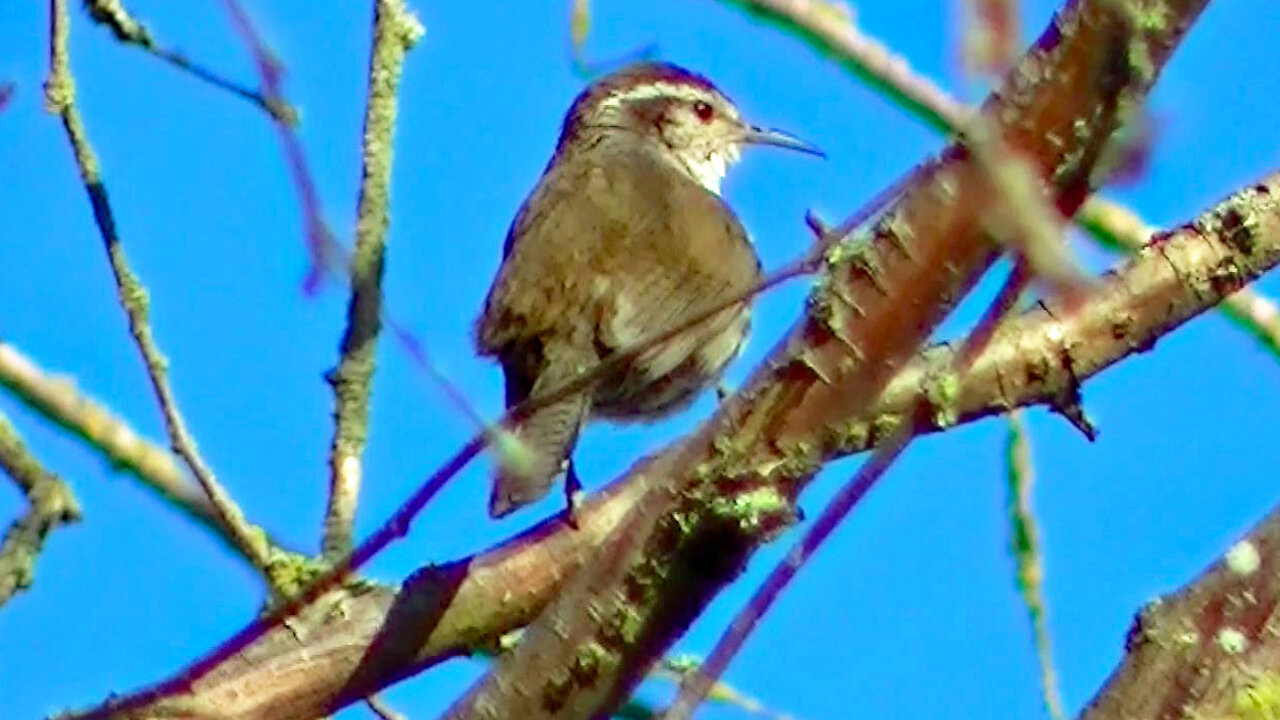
{"type": "Point", "coordinates": [686, 254]}
{"type": "Point", "coordinates": [625, 248]}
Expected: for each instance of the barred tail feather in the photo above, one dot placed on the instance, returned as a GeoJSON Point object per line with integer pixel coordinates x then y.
{"type": "Point", "coordinates": [548, 435]}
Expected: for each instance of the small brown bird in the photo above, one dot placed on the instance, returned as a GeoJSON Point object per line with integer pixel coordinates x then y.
{"type": "Point", "coordinates": [624, 236]}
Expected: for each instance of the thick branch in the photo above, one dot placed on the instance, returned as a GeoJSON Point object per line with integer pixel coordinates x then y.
{"type": "Point", "coordinates": [832, 33]}
{"type": "Point", "coordinates": [729, 487]}
{"type": "Point", "coordinates": [446, 610]}
{"type": "Point", "coordinates": [383, 635]}
{"type": "Point", "coordinates": [1209, 650]}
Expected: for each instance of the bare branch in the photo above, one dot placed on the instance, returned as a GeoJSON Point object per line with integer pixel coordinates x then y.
{"type": "Point", "coordinates": [58, 400]}
{"type": "Point", "coordinates": [60, 99]}
{"type": "Point", "coordinates": [833, 33]}
{"type": "Point", "coordinates": [113, 15]}
{"type": "Point", "coordinates": [394, 32]}
{"type": "Point", "coordinates": [51, 505]}
{"type": "Point", "coordinates": [383, 634]}
{"type": "Point", "coordinates": [1122, 229]}
{"type": "Point", "coordinates": [729, 487]}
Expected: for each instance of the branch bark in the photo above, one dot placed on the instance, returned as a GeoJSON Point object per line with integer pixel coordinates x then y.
{"type": "Point", "coordinates": [395, 30]}
{"type": "Point", "coordinates": [382, 635]}
{"type": "Point", "coordinates": [50, 505]}
{"type": "Point", "coordinates": [729, 487]}
{"type": "Point", "coordinates": [1210, 649]}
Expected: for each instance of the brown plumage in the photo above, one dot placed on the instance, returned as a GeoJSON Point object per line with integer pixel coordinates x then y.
{"type": "Point", "coordinates": [624, 236]}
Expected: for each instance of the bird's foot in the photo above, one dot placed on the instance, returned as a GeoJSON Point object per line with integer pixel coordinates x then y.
{"type": "Point", "coordinates": [572, 495]}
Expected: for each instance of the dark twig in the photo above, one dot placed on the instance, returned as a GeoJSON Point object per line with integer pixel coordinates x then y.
{"type": "Point", "coordinates": [60, 99]}
{"type": "Point", "coordinates": [113, 15]}
{"type": "Point", "coordinates": [319, 237]}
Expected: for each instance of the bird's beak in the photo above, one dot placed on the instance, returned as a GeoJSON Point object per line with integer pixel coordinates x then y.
{"type": "Point", "coordinates": [753, 135]}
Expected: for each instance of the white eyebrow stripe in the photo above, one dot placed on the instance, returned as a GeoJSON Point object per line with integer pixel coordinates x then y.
{"type": "Point", "coordinates": [648, 91]}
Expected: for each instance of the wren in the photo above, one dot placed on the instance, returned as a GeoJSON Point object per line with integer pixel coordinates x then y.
{"type": "Point", "coordinates": [624, 236]}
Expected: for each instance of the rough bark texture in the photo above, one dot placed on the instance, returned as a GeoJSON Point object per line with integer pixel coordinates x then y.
{"type": "Point", "coordinates": [709, 501]}
{"type": "Point", "coordinates": [382, 635]}
{"type": "Point", "coordinates": [1209, 650]}
{"type": "Point", "coordinates": [729, 487]}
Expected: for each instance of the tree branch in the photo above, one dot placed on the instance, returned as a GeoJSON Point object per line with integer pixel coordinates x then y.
{"type": "Point", "coordinates": [60, 100]}
{"type": "Point", "coordinates": [834, 34]}
{"type": "Point", "coordinates": [384, 634]}
{"type": "Point", "coordinates": [729, 487]}
{"type": "Point", "coordinates": [113, 15]}
{"type": "Point", "coordinates": [394, 31]}
{"type": "Point", "coordinates": [1210, 649]}
{"type": "Point", "coordinates": [51, 505]}
{"type": "Point", "coordinates": [57, 400]}
{"type": "Point", "coordinates": [1122, 229]}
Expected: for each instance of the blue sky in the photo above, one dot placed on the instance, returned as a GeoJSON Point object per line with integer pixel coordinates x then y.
{"type": "Point", "coordinates": [910, 608]}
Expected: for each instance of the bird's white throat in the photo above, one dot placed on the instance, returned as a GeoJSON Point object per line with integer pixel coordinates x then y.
{"type": "Point", "coordinates": [708, 170]}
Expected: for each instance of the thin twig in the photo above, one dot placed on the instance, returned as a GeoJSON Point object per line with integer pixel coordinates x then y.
{"type": "Point", "coordinates": [128, 30]}
{"type": "Point", "coordinates": [1024, 545]}
{"type": "Point", "coordinates": [394, 31]}
{"type": "Point", "coordinates": [57, 399]}
{"type": "Point", "coordinates": [60, 99]}
{"type": "Point", "coordinates": [51, 505]}
{"type": "Point", "coordinates": [328, 256]}
{"type": "Point", "coordinates": [319, 238]}
{"type": "Point", "coordinates": [832, 33]}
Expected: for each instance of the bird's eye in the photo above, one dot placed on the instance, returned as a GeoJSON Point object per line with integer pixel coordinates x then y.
{"type": "Point", "coordinates": [703, 110]}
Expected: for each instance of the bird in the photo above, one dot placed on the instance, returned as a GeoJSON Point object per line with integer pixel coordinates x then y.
{"type": "Point", "coordinates": [624, 235]}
